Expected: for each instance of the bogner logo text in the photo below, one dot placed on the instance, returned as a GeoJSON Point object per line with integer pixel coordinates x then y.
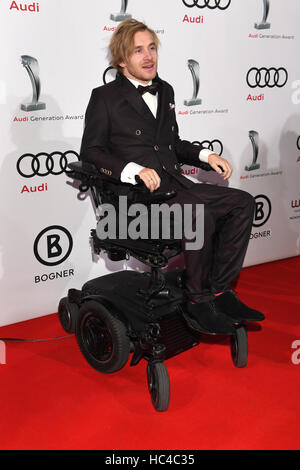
{"type": "Point", "coordinates": [53, 245]}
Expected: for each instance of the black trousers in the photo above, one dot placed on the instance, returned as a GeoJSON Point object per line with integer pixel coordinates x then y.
{"type": "Point", "coordinates": [228, 217]}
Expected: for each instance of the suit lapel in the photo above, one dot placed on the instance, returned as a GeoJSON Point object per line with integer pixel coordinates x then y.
{"type": "Point", "coordinates": [162, 106]}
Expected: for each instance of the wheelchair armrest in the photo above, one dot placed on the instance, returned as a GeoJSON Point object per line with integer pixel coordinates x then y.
{"type": "Point", "coordinates": [89, 176]}
{"type": "Point", "coordinates": [83, 168]}
{"type": "Point", "coordinates": [141, 194]}
{"type": "Point", "coordinates": [202, 165]}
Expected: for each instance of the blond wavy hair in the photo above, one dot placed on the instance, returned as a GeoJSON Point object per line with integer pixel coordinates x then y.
{"type": "Point", "coordinates": [121, 45]}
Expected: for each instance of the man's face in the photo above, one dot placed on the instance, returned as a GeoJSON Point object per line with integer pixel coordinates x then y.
{"type": "Point", "coordinates": [142, 64]}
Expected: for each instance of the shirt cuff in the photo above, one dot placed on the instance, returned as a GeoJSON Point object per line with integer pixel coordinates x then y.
{"type": "Point", "coordinates": [204, 154]}
{"type": "Point", "coordinates": [130, 171]}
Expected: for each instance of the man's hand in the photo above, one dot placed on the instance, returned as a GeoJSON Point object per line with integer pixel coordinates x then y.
{"type": "Point", "coordinates": [150, 178]}
{"type": "Point", "coordinates": [216, 162]}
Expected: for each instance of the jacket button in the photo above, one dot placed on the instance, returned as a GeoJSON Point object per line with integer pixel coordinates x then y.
{"type": "Point", "coordinates": [164, 167]}
{"type": "Point", "coordinates": [173, 128]}
{"type": "Point", "coordinates": [170, 147]}
{"type": "Point", "coordinates": [176, 166]}
{"type": "Point", "coordinates": [156, 147]}
{"type": "Point", "coordinates": [138, 132]}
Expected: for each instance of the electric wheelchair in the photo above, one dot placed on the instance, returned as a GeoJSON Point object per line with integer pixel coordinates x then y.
{"type": "Point", "coordinates": [129, 312]}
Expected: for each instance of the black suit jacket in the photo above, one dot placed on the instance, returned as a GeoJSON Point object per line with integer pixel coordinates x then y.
{"type": "Point", "coordinates": [120, 128]}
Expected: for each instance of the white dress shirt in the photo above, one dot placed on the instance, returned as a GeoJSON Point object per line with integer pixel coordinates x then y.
{"type": "Point", "coordinates": [132, 169]}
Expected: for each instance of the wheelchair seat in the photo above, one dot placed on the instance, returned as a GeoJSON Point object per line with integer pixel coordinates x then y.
{"type": "Point", "coordinates": [105, 189]}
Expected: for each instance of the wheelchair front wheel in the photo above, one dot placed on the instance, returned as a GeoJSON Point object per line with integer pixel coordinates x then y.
{"type": "Point", "coordinates": [158, 385]}
{"type": "Point", "coordinates": [102, 338]}
{"type": "Point", "coordinates": [239, 346]}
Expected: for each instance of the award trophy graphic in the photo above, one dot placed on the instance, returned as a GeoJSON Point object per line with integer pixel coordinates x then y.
{"type": "Point", "coordinates": [254, 137]}
{"type": "Point", "coordinates": [32, 67]}
{"type": "Point", "coordinates": [194, 68]}
{"type": "Point", "coordinates": [263, 24]}
{"type": "Point", "coordinates": [122, 15]}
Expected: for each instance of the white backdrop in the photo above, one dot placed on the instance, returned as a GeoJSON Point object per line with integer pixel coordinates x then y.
{"type": "Point", "coordinates": [45, 248]}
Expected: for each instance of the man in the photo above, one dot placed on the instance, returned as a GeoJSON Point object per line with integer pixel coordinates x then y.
{"type": "Point", "coordinates": [132, 130]}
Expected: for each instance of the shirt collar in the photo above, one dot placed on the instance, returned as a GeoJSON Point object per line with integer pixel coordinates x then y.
{"type": "Point", "coordinates": [136, 83]}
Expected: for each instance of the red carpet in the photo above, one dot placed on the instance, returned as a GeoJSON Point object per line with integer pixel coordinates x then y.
{"type": "Point", "coordinates": [52, 399]}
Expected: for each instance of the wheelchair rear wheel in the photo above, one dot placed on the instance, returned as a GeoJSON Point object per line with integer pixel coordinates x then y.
{"type": "Point", "coordinates": [67, 314]}
{"type": "Point", "coordinates": [158, 385]}
{"type": "Point", "coordinates": [102, 338]}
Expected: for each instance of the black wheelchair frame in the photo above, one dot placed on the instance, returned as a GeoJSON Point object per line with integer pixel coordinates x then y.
{"type": "Point", "coordinates": [130, 312]}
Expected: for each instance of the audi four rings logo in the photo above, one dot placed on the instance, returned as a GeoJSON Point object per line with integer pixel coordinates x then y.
{"type": "Point", "coordinates": [213, 145]}
{"type": "Point", "coordinates": [44, 164]}
{"type": "Point", "coordinates": [264, 77]}
{"type": "Point", "coordinates": [298, 143]}
{"type": "Point", "coordinates": [211, 4]}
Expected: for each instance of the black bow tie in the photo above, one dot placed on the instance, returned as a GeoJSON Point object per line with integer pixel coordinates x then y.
{"type": "Point", "coordinates": [149, 88]}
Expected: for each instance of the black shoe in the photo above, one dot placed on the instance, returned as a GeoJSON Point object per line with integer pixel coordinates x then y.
{"type": "Point", "coordinates": [229, 304]}
{"type": "Point", "coordinates": [204, 318]}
